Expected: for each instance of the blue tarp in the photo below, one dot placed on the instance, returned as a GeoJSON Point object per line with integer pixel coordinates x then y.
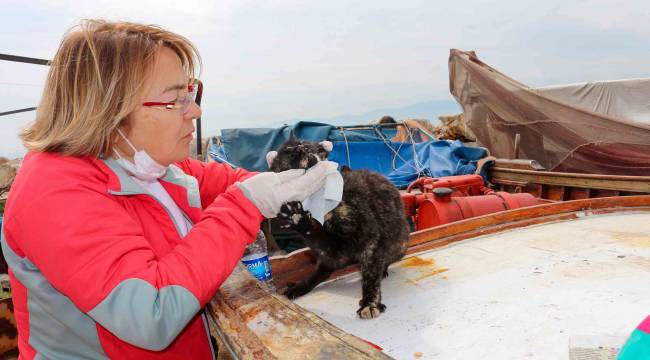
{"type": "Point", "coordinates": [243, 147]}
{"type": "Point", "coordinates": [402, 163]}
{"type": "Point", "coordinates": [369, 149]}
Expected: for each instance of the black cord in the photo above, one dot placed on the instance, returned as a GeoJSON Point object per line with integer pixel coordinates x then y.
{"type": "Point", "coordinates": [17, 111]}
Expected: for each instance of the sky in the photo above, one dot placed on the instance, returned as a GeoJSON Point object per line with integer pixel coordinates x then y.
{"type": "Point", "coordinates": [267, 62]}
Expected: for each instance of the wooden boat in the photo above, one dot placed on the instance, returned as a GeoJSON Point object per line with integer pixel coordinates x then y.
{"type": "Point", "coordinates": [436, 296]}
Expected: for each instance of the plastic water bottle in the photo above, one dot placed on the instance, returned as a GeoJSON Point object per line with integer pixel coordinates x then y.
{"type": "Point", "coordinates": [256, 259]}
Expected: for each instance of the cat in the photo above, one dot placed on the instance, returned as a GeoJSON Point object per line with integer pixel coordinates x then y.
{"type": "Point", "coordinates": [367, 228]}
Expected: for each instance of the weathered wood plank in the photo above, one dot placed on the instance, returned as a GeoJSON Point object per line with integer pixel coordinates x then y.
{"type": "Point", "coordinates": [255, 324]}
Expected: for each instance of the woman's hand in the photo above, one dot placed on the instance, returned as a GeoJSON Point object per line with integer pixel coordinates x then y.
{"type": "Point", "coordinates": [269, 190]}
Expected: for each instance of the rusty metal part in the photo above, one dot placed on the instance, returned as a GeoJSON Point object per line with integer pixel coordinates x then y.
{"type": "Point", "coordinates": [453, 198]}
{"type": "Point", "coordinates": [442, 208]}
{"type": "Point", "coordinates": [463, 185]}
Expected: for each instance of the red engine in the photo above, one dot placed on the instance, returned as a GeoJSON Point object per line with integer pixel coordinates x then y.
{"type": "Point", "coordinates": [452, 198]}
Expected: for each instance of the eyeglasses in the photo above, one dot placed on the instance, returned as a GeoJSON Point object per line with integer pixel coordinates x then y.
{"type": "Point", "coordinates": [181, 105]}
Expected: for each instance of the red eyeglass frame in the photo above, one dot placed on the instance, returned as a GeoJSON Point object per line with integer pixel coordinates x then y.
{"type": "Point", "coordinates": [170, 105]}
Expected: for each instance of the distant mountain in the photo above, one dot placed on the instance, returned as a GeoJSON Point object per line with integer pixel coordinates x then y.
{"type": "Point", "coordinates": [423, 110]}
{"type": "Point", "coordinates": [427, 110]}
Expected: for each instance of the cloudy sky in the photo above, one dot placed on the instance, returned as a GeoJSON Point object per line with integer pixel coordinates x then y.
{"type": "Point", "coordinates": [271, 61]}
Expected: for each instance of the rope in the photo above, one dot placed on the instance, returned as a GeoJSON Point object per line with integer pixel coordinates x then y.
{"type": "Point", "coordinates": [395, 154]}
{"type": "Point", "coordinates": [417, 165]}
{"type": "Point", "coordinates": [416, 160]}
{"type": "Point", "coordinates": [347, 148]}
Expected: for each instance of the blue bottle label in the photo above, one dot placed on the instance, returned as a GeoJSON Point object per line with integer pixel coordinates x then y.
{"type": "Point", "coordinates": [259, 266]}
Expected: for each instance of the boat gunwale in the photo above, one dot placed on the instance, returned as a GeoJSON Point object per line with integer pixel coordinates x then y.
{"type": "Point", "coordinates": [299, 264]}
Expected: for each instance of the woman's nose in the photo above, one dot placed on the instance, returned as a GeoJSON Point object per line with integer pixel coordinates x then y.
{"type": "Point", "coordinates": [194, 111]}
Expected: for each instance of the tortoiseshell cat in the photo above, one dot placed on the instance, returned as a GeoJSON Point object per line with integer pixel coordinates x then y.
{"type": "Point", "coordinates": [367, 228]}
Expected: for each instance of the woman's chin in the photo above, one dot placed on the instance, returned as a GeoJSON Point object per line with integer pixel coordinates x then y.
{"type": "Point", "coordinates": [183, 157]}
{"type": "Point", "coordinates": [179, 156]}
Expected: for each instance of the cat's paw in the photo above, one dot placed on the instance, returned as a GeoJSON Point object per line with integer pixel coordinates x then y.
{"type": "Point", "coordinates": [371, 311]}
{"type": "Point", "coordinates": [293, 215]}
{"type": "Point", "coordinates": [295, 290]}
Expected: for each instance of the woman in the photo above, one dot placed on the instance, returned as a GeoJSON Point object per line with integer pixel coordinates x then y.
{"type": "Point", "coordinates": [115, 239]}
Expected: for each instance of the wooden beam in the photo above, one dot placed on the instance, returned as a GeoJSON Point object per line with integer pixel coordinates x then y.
{"type": "Point", "coordinates": [639, 184]}
{"type": "Point", "coordinates": [518, 164]}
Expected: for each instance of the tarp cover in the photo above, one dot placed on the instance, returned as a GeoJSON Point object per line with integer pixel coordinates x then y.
{"type": "Point", "coordinates": [596, 127]}
{"type": "Point", "coordinates": [399, 164]}
{"type": "Point", "coordinates": [359, 149]}
{"type": "Point", "coordinates": [246, 147]}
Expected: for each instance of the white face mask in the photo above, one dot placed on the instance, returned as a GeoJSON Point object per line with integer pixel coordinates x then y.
{"type": "Point", "coordinates": [143, 166]}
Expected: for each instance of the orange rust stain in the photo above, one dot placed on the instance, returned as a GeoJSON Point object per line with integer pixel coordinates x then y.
{"type": "Point", "coordinates": [417, 261]}
{"type": "Point", "coordinates": [426, 268]}
{"type": "Point", "coordinates": [437, 271]}
{"type": "Point", "coordinates": [250, 314]}
{"type": "Point", "coordinates": [634, 239]}
{"type": "Point", "coordinates": [412, 282]}
{"type": "Point", "coordinates": [417, 355]}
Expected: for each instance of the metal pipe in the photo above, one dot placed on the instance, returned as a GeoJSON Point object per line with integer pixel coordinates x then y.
{"type": "Point", "coordinates": [24, 59]}
{"type": "Point", "coordinates": [17, 111]}
{"type": "Point", "coordinates": [199, 146]}
{"type": "Point", "coordinates": [27, 60]}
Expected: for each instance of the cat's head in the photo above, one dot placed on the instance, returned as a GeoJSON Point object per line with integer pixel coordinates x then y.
{"type": "Point", "coordinates": [297, 154]}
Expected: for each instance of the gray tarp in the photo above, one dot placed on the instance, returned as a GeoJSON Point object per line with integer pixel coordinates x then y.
{"type": "Point", "coordinates": [601, 127]}
{"type": "Point", "coordinates": [621, 99]}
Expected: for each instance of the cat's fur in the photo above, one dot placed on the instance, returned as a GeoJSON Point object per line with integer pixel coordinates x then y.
{"type": "Point", "coordinates": [367, 228]}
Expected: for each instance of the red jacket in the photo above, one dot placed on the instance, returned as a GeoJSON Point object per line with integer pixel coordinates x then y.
{"type": "Point", "coordinates": [98, 268]}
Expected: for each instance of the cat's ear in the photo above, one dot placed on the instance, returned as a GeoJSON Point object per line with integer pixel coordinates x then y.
{"type": "Point", "coordinates": [270, 156]}
{"type": "Point", "coordinates": [327, 145]}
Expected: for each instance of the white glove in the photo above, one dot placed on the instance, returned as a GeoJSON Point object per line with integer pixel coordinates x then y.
{"type": "Point", "coordinates": [269, 190]}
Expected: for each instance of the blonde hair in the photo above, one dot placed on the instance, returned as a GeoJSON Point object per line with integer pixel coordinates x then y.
{"type": "Point", "coordinates": [96, 80]}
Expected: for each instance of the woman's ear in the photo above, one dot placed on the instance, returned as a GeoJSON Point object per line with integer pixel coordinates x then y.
{"type": "Point", "coordinates": [327, 145]}
{"type": "Point", "coordinates": [270, 156]}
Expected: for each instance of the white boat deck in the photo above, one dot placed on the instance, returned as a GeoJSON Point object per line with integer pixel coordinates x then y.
{"type": "Point", "coordinates": [522, 294]}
